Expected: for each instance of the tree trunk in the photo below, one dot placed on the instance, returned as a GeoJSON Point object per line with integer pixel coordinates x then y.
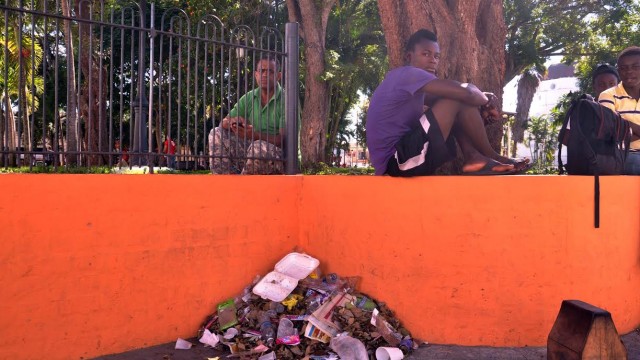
{"type": "Point", "coordinates": [93, 93]}
{"type": "Point", "coordinates": [72, 103]}
{"type": "Point", "coordinates": [527, 86]}
{"type": "Point", "coordinates": [12, 134]}
{"type": "Point", "coordinates": [313, 16]}
{"type": "Point", "coordinates": [471, 34]}
{"type": "Point", "coordinates": [25, 134]}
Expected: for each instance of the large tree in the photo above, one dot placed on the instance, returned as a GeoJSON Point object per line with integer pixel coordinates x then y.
{"type": "Point", "coordinates": [313, 17]}
{"type": "Point", "coordinates": [471, 34]}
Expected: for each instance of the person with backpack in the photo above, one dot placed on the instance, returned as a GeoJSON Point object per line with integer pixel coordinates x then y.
{"type": "Point", "coordinates": [405, 138]}
{"type": "Point", "coordinates": [623, 99]}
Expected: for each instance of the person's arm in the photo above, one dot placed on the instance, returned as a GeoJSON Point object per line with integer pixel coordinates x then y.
{"type": "Point", "coordinates": [450, 89]}
{"type": "Point", "coordinates": [240, 127]}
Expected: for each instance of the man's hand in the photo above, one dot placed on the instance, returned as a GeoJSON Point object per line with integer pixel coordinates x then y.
{"type": "Point", "coordinates": [490, 111]}
{"type": "Point", "coordinates": [242, 130]}
{"type": "Point", "coordinates": [230, 122]}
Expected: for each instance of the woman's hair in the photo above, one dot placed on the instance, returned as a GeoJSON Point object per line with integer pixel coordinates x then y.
{"type": "Point", "coordinates": [604, 69]}
{"type": "Point", "coordinates": [422, 34]}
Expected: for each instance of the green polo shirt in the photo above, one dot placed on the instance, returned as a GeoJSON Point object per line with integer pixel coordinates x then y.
{"type": "Point", "coordinates": [268, 119]}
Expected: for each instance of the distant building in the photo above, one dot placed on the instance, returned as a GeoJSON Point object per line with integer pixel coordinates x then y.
{"type": "Point", "coordinates": [555, 85]}
{"type": "Point", "coordinates": [356, 156]}
{"type": "Point", "coordinates": [558, 81]}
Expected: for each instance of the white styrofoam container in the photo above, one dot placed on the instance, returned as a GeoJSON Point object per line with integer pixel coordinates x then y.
{"type": "Point", "coordinates": [278, 284]}
{"type": "Point", "coordinates": [297, 265]}
{"type": "Point", "coordinates": [275, 286]}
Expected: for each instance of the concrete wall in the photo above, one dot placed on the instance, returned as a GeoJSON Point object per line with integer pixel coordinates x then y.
{"type": "Point", "coordinates": [481, 260]}
{"type": "Point", "coordinates": [98, 264]}
{"type": "Point", "coordinates": [93, 265]}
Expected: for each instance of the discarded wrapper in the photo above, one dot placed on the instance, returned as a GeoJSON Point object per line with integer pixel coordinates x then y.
{"type": "Point", "coordinates": [268, 356]}
{"type": "Point", "coordinates": [230, 333]}
{"type": "Point", "coordinates": [322, 327]}
{"type": "Point", "coordinates": [209, 338]}
{"type": "Point", "coordinates": [289, 340]}
{"type": "Point", "coordinates": [182, 344]}
{"type": "Point", "coordinates": [227, 314]}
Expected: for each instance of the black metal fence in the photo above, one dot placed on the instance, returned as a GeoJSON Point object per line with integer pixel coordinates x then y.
{"type": "Point", "coordinates": [126, 85]}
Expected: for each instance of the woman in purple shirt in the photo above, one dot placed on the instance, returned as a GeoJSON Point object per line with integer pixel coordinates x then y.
{"type": "Point", "coordinates": [406, 140]}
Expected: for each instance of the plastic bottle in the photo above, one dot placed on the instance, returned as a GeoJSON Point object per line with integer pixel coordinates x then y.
{"type": "Point", "coordinates": [406, 345]}
{"type": "Point", "coordinates": [331, 278]}
{"type": "Point", "coordinates": [278, 307]}
{"type": "Point", "coordinates": [348, 348]}
{"type": "Point", "coordinates": [266, 329]}
{"type": "Point", "coordinates": [287, 333]}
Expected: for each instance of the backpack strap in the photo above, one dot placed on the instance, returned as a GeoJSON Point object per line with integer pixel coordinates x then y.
{"type": "Point", "coordinates": [563, 136]}
{"type": "Point", "coordinates": [596, 199]}
{"type": "Point", "coordinates": [596, 171]}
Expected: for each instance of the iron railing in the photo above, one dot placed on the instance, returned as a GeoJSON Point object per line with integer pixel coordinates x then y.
{"type": "Point", "coordinates": [107, 86]}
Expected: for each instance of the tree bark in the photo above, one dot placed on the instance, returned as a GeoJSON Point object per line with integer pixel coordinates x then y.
{"type": "Point", "coordinates": [527, 86]}
{"type": "Point", "coordinates": [72, 103]}
{"type": "Point", "coordinates": [313, 17]}
{"type": "Point", "coordinates": [471, 34]}
{"type": "Point", "coordinates": [12, 134]}
{"type": "Point", "coordinates": [93, 93]}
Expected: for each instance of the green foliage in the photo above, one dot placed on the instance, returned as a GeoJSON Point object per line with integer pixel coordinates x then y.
{"type": "Point", "coordinates": [355, 63]}
{"type": "Point", "coordinates": [57, 170]}
{"type": "Point", "coordinates": [559, 112]}
{"type": "Point", "coordinates": [324, 169]}
{"type": "Point", "coordinates": [608, 35]}
{"type": "Point", "coordinates": [543, 141]}
{"type": "Point", "coordinates": [537, 29]}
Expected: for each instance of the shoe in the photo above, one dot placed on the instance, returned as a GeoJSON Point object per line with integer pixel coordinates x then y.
{"type": "Point", "coordinates": [487, 169]}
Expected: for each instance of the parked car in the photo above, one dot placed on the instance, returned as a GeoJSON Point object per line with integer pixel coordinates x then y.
{"type": "Point", "coordinates": [39, 156]}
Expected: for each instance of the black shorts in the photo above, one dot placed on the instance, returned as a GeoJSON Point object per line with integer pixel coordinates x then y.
{"type": "Point", "coordinates": [422, 150]}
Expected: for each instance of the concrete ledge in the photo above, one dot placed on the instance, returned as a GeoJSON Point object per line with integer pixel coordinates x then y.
{"type": "Point", "coordinates": [108, 263]}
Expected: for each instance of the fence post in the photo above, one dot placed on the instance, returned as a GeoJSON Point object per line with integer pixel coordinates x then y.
{"type": "Point", "coordinates": [291, 96]}
{"type": "Point", "coordinates": [141, 104]}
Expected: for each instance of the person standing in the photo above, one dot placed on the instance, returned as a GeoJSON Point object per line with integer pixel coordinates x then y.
{"type": "Point", "coordinates": [170, 149]}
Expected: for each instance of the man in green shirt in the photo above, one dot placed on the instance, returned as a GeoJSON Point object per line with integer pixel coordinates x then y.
{"type": "Point", "coordinates": [250, 139]}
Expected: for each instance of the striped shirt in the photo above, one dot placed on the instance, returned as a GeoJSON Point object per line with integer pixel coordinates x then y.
{"type": "Point", "coordinates": [617, 99]}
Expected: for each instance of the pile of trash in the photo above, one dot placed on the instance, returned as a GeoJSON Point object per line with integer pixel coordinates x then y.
{"type": "Point", "coordinates": [296, 313]}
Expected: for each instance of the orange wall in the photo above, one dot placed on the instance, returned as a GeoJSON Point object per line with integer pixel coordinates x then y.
{"type": "Point", "coordinates": [98, 264]}
{"type": "Point", "coordinates": [480, 260]}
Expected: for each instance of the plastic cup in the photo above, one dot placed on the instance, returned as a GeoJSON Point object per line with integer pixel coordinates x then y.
{"type": "Point", "coordinates": [389, 353]}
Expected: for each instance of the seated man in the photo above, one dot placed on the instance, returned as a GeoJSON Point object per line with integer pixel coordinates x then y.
{"type": "Point", "coordinates": [624, 99]}
{"type": "Point", "coordinates": [404, 140]}
{"type": "Point", "coordinates": [249, 140]}
{"type": "Point", "coordinates": [604, 77]}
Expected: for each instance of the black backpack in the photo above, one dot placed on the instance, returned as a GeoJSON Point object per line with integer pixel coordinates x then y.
{"type": "Point", "coordinates": [597, 143]}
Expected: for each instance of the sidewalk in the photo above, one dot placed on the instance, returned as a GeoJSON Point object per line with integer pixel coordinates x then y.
{"type": "Point", "coordinates": [428, 352]}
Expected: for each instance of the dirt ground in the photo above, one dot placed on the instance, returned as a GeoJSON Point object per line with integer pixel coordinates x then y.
{"type": "Point", "coordinates": [428, 352]}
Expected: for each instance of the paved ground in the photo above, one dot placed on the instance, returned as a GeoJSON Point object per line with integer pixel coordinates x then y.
{"type": "Point", "coordinates": [430, 352]}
